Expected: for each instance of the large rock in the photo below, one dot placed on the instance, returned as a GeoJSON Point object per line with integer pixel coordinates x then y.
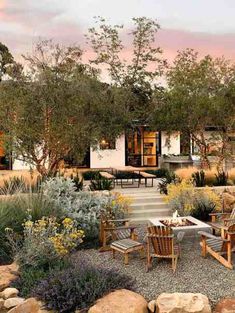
{"type": "Point", "coordinates": [30, 305]}
{"type": "Point", "coordinates": [9, 293]}
{"type": "Point", "coordinates": [182, 303]}
{"type": "Point", "coordinates": [12, 302]}
{"type": "Point", "coordinates": [225, 306]}
{"type": "Point", "coordinates": [8, 273]}
{"type": "Point", "coordinates": [120, 301]}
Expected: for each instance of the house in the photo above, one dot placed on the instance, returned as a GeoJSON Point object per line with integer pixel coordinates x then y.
{"type": "Point", "coordinates": [141, 147]}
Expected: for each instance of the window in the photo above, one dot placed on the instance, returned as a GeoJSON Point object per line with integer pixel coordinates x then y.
{"type": "Point", "coordinates": [106, 144]}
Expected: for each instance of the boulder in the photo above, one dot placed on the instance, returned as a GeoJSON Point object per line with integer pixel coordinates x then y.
{"type": "Point", "coordinates": [12, 302]}
{"type": "Point", "coordinates": [30, 305]}
{"type": "Point", "coordinates": [120, 301]}
{"type": "Point", "coordinates": [1, 304]}
{"type": "Point", "coordinates": [8, 273]}
{"type": "Point", "coordinates": [225, 306]}
{"type": "Point", "coordinates": [9, 293]}
{"type": "Point", "coordinates": [152, 306]}
{"type": "Point", "coordinates": [182, 303]}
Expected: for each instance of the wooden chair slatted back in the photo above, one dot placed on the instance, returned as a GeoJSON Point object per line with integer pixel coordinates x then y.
{"type": "Point", "coordinates": [162, 240]}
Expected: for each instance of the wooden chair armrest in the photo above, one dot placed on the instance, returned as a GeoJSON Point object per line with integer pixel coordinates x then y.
{"type": "Point", "coordinates": [218, 214]}
{"type": "Point", "coordinates": [210, 236]}
{"type": "Point", "coordinates": [120, 220]}
{"type": "Point", "coordinates": [229, 220]}
{"type": "Point", "coordinates": [120, 228]}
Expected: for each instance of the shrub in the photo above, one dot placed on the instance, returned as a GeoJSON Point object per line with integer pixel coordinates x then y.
{"type": "Point", "coordinates": [191, 201]}
{"type": "Point", "coordinates": [126, 175]}
{"type": "Point", "coordinates": [231, 175]}
{"type": "Point", "coordinates": [89, 175]}
{"type": "Point", "coordinates": [199, 178]}
{"type": "Point", "coordinates": [101, 183]}
{"type": "Point", "coordinates": [13, 185]}
{"type": "Point", "coordinates": [170, 178]}
{"type": "Point", "coordinates": [159, 173]}
{"type": "Point", "coordinates": [78, 181]}
{"type": "Point", "coordinates": [14, 210]}
{"type": "Point", "coordinates": [79, 286]}
{"type": "Point", "coordinates": [46, 241]}
{"type": "Point", "coordinates": [221, 178]}
{"type": "Point", "coordinates": [60, 190]}
{"type": "Point", "coordinates": [89, 206]}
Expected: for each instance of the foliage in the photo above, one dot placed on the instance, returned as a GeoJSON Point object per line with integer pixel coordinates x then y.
{"type": "Point", "coordinates": [54, 101]}
{"type": "Point", "coordinates": [89, 207]}
{"type": "Point", "coordinates": [60, 190]}
{"type": "Point", "coordinates": [101, 183]}
{"type": "Point", "coordinates": [199, 178]}
{"type": "Point", "coordinates": [200, 94]}
{"type": "Point", "coordinates": [89, 175]}
{"type": "Point", "coordinates": [134, 83]}
{"type": "Point", "coordinates": [170, 178]}
{"type": "Point", "coordinates": [78, 181]}
{"type": "Point", "coordinates": [159, 173]}
{"type": "Point", "coordinates": [45, 242]}
{"type": "Point", "coordinates": [13, 185]}
{"type": "Point", "coordinates": [221, 178]}
{"type": "Point", "coordinates": [6, 59]}
{"type": "Point", "coordinates": [126, 175]}
{"type": "Point", "coordinates": [14, 210]}
{"type": "Point", "coordinates": [192, 201]}
{"type": "Point", "coordinates": [79, 286]}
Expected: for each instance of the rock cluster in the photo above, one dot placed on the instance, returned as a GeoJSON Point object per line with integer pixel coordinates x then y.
{"type": "Point", "coordinates": [11, 303]}
{"type": "Point", "coordinates": [125, 301]}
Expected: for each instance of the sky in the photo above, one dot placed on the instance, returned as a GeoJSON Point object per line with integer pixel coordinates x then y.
{"type": "Point", "coordinates": [205, 25]}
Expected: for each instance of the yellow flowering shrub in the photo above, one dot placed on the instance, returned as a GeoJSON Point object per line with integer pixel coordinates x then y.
{"type": "Point", "coordinates": [46, 241]}
{"type": "Point", "coordinates": [189, 200]}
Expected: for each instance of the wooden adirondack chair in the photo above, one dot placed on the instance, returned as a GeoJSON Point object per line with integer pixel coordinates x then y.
{"type": "Point", "coordinates": [162, 241]}
{"type": "Point", "coordinates": [112, 230]}
{"type": "Point", "coordinates": [220, 248]}
{"type": "Point", "coordinates": [221, 221]}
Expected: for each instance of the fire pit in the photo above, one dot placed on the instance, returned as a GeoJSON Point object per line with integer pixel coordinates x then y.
{"type": "Point", "coordinates": [188, 224]}
{"type": "Point", "coordinates": [177, 222]}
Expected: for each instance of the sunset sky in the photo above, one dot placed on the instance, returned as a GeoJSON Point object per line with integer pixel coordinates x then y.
{"type": "Point", "coordinates": [206, 25]}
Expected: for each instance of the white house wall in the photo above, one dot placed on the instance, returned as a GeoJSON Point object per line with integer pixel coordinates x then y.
{"type": "Point", "coordinates": [20, 165]}
{"type": "Point", "coordinates": [170, 144]}
{"type": "Point", "coordinates": [109, 158]}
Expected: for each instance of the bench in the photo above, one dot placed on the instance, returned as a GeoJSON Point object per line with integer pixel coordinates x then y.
{"type": "Point", "coordinates": [146, 176]}
{"type": "Point", "coordinates": [109, 176]}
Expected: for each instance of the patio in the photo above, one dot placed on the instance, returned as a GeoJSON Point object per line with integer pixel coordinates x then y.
{"type": "Point", "coordinates": [193, 274]}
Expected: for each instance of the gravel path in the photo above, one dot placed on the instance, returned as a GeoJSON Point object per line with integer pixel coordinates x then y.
{"type": "Point", "coordinates": [193, 274]}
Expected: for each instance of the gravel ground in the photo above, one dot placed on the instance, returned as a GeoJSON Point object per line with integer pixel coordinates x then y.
{"type": "Point", "coordinates": [193, 274]}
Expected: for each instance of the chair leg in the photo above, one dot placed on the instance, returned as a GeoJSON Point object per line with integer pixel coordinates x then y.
{"type": "Point", "coordinates": [114, 254]}
{"type": "Point", "coordinates": [126, 259]}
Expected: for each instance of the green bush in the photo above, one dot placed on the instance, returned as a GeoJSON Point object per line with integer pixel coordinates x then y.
{"type": "Point", "coordinates": [221, 178]}
{"type": "Point", "coordinates": [79, 286]}
{"type": "Point", "coordinates": [14, 210]}
{"type": "Point", "coordinates": [159, 173]}
{"type": "Point", "coordinates": [89, 175]}
{"type": "Point", "coordinates": [101, 183]}
{"type": "Point", "coordinates": [170, 178]}
{"type": "Point", "coordinates": [78, 181]}
{"type": "Point", "coordinates": [199, 179]}
{"type": "Point", "coordinates": [127, 175]}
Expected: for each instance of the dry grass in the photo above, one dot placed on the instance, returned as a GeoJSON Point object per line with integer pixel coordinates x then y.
{"type": "Point", "coordinates": [30, 177]}
{"type": "Point", "coordinates": [231, 174]}
{"type": "Point", "coordinates": [186, 172]}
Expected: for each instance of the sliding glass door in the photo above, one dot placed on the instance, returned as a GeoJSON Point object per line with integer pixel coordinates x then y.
{"type": "Point", "coordinates": [142, 147]}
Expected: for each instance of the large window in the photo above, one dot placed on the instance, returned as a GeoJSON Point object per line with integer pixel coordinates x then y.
{"type": "Point", "coordinates": [107, 144]}
{"type": "Point", "coordinates": [142, 147]}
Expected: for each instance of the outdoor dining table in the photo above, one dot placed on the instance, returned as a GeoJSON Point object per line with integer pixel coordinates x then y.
{"type": "Point", "coordinates": [130, 169]}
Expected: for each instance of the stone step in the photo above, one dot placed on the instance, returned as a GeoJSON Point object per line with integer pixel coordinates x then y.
{"type": "Point", "coordinates": [132, 191]}
{"type": "Point", "coordinates": [150, 213]}
{"type": "Point", "coordinates": [147, 200]}
{"type": "Point", "coordinates": [149, 205]}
